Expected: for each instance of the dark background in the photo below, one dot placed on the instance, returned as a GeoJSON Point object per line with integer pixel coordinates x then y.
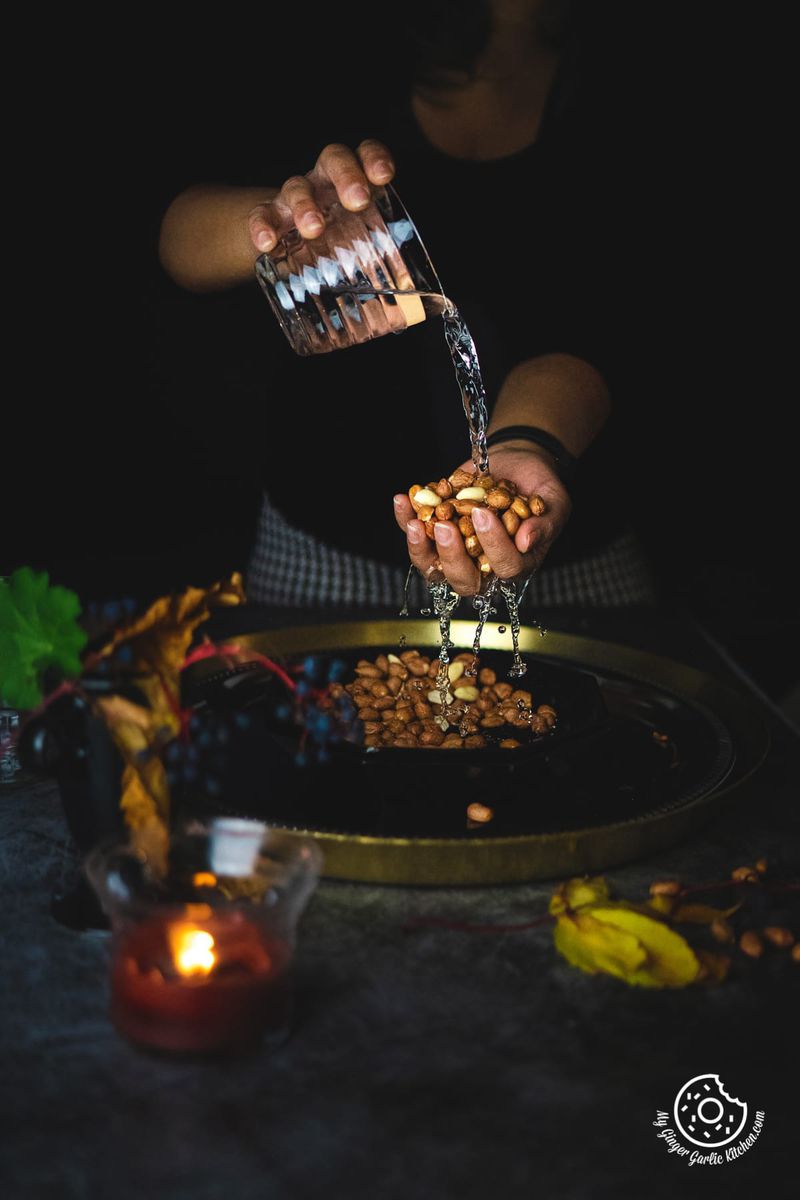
{"type": "Point", "coordinates": [125, 473]}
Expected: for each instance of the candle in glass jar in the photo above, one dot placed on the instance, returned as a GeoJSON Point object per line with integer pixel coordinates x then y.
{"type": "Point", "coordinates": [199, 980]}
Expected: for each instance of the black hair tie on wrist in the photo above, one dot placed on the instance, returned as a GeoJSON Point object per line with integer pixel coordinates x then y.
{"type": "Point", "coordinates": [565, 462]}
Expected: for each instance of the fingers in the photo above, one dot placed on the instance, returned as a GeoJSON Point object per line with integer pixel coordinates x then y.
{"type": "Point", "coordinates": [505, 558]}
{"type": "Point", "coordinates": [461, 571]}
{"type": "Point", "coordinates": [263, 223]}
{"type": "Point", "coordinates": [352, 172]}
{"type": "Point", "coordinates": [421, 549]}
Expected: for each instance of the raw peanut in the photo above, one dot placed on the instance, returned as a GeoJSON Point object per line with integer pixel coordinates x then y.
{"type": "Point", "coordinates": [423, 709]}
{"type": "Point", "coordinates": [425, 511]}
{"type": "Point", "coordinates": [487, 676]}
{"type": "Point", "coordinates": [398, 670]}
{"type": "Point", "coordinates": [465, 507]}
{"type": "Point", "coordinates": [363, 700]}
{"type": "Point", "coordinates": [405, 739]}
{"type": "Point", "coordinates": [486, 482]}
{"type": "Point", "coordinates": [382, 662]}
{"type": "Point", "coordinates": [460, 478]}
{"type": "Point", "coordinates": [382, 703]}
{"type": "Point", "coordinates": [721, 930]}
{"type": "Point", "coordinates": [509, 744]}
{"type": "Point", "coordinates": [407, 655]}
{"type": "Point", "coordinates": [369, 714]}
{"type": "Point", "coordinates": [415, 727]}
{"type": "Point", "coordinates": [372, 739]}
{"type": "Point", "coordinates": [372, 727]}
{"type": "Point", "coordinates": [412, 494]}
{"type": "Point", "coordinates": [492, 721]}
{"type": "Point", "coordinates": [435, 698]}
{"type": "Point", "coordinates": [387, 715]}
{"type": "Point", "coordinates": [427, 497]}
{"type": "Point", "coordinates": [520, 721]}
{"type": "Point", "coordinates": [511, 521]}
{"type": "Point", "coordinates": [465, 526]}
{"type": "Point", "coordinates": [520, 507]}
{"type": "Point", "coordinates": [471, 493]}
{"type": "Point", "coordinates": [394, 684]}
{"type": "Point", "coordinates": [418, 667]}
{"type": "Point", "coordinates": [485, 704]}
{"type": "Point", "coordinates": [520, 696]}
{"type": "Point", "coordinates": [452, 741]}
{"type": "Point", "coordinates": [536, 505]}
{"type": "Point", "coordinates": [431, 737]}
{"type": "Point", "coordinates": [429, 525]}
{"type": "Point", "coordinates": [473, 546]}
{"type": "Point", "coordinates": [546, 710]}
{"type": "Point", "coordinates": [442, 723]}
{"type": "Point", "coordinates": [393, 658]}
{"type": "Point", "coordinates": [379, 688]}
{"type": "Point", "coordinates": [444, 488]}
{"type": "Point", "coordinates": [503, 691]}
{"type": "Point", "coordinates": [779, 936]}
{"type": "Point", "coordinates": [751, 944]}
{"type": "Point", "coordinates": [484, 566]}
{"type": "Point", "coordinates": [474, 741]}
{"type": "Point", "coordinates": [539, 725]}
{"type": "Point", "coordinates": [368, 672]}
{"type": "Point", "coordinates": [744, 875]}
{"type": "Point", "coordinates": [479, 812]}
{"type": "Point", "coordinates": [666, 887]}
{"type": "Point", "coordinates": [467, 693]}
{"type": "Point", "coordinates": [406, 715]}
{"type": "Point", "coordinates": [444, 511]}
{"type": "Point", "coordinates": [465, 656]}
{"type": "Point", "coordinates": [432, 486]}
{"type": "Point", "coordinates": [499, 499]}
{"type": "Point", "coordinates": [455, 670]}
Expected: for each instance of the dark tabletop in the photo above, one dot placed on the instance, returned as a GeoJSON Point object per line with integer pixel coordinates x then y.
{"type": "Point", "coordinates": [434, 1063]}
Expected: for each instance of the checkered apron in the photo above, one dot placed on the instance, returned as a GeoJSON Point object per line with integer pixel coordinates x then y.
{"type": "Point", "coordinates": [290, 568]}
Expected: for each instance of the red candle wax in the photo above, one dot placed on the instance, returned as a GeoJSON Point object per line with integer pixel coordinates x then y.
{"type": "Point", "coordinates": [199, 984]}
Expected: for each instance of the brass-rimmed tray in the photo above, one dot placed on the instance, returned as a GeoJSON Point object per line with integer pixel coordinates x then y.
{"type": "Point", "coordinates": [648, 749]}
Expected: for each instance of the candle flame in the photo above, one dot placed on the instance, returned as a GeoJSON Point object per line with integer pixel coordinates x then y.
{"type": "Point", "coordinates": [192, 950]}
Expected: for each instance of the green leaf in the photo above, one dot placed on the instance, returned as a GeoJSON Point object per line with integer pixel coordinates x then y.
{"type": "Point", "coordinates": [38, 629]}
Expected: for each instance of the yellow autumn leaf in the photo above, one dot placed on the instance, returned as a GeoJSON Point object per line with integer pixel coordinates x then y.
{"type": "Point", "coordinates": [621, 941]}
{"type": "Point", "coordinates": [703, 914]}
{"type": "Point", "coordinates": [578, 892]}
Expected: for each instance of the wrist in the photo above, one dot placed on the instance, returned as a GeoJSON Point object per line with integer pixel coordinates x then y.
{"type": "Point", "coordinates": [526, 437]}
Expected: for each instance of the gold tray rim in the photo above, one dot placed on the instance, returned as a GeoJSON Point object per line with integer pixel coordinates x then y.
{"type": "Point", "coordinates": [525, 858]}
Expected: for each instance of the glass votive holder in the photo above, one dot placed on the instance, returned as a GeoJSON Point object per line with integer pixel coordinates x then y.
{"type": "Point", "coordinates": [202, 957]}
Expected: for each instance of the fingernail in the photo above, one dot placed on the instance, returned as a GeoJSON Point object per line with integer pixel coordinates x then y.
{"type": "Point", "coordinates": [357, 194]}
{"type": "Point", "coordinates": [312, 225]}
{"type": "Point", "coordinates": [264, 241]}
{"type": "Point", "coordinates": [397, 500]}
{"type": "Point", "coordinates": [415, 534]}
{"type": "Point", "coordinates": [480, 519]}
{"type": "Point", "coordinates": [443, 532]}
{"type": "Point", "coordinates": [382, 170]}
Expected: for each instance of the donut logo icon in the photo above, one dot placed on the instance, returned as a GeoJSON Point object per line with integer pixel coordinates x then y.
{"type": "Point", "coordinates": [706, 1115]}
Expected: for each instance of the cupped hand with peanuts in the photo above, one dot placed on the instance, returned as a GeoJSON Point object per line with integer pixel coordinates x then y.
{"type": "Point", "coordinates": [509, 548]}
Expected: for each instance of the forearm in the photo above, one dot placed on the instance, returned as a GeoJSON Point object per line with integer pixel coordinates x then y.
{"type": "Point", "coordinates": [560, 393]}
{"type": "Point", "coordinates": [205, 243]}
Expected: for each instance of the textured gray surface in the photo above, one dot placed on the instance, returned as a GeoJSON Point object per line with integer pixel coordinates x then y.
{"type": "Point", "coordinates": [432, 1064]}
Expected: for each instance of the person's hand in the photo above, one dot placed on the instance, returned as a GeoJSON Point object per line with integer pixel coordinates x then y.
{"type": "Point", "coordinates": [511, 559]}
{"type": "Point", "coordinates": [339, 173]}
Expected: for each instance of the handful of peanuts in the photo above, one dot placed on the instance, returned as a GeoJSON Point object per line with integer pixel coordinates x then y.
{"type": "Point", "coordinates": [400, 703]}
{"type": "Point", "coordinates": [455, 498]}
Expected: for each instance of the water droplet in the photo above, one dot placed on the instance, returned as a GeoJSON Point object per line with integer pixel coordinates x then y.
{"type": "Point", "coordinates": [501, 628]}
